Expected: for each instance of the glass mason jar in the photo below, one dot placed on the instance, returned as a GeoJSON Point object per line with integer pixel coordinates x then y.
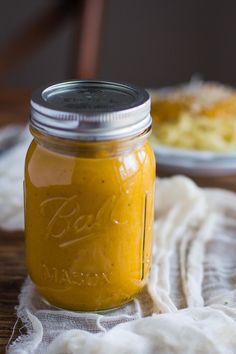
{"type": "Point", "coordinates": [89, 194]}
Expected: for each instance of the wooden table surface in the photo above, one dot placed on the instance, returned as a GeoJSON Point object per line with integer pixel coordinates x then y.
{"type": "Point", "coordinates": [14, 108]}
{"type": "Point", "coordinates": [12, 274]}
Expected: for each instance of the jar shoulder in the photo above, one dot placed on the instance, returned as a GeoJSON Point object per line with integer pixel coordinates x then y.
{"type": "Point", "coordinates": [43, 166]}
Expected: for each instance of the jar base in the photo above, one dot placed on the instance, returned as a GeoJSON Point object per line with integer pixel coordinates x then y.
{"type": "Point", "coordinates": [100, 312]}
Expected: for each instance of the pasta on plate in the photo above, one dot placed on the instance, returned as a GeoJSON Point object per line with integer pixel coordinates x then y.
{"type": "Point", "coordinates": [197, 116]}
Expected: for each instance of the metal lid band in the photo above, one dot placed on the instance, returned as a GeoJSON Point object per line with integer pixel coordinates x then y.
{"type": "Point", "coordinates": [91, 110]}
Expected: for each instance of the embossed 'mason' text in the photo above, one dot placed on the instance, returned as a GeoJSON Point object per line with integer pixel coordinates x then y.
{"type": "Point", "coordinates": [64, 277]}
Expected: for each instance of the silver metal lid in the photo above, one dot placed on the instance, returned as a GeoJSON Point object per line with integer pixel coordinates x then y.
{"type": "Point", "coordinates": [91, 110]}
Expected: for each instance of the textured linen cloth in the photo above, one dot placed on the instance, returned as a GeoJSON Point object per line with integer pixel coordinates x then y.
{"type": "Point", "coordinates": [189, 303]}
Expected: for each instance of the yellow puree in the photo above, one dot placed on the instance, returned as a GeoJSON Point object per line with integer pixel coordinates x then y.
{"type": "Point", "coordinates": [89, 225]}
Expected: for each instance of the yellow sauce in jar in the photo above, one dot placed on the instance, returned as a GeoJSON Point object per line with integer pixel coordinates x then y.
{"type": "Point", "coordinates": [89, 225]}
{"type": "Point", "coordinates": [89, 194]}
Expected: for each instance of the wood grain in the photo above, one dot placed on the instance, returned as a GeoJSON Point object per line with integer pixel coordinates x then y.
{"type": "Point", "coordinates": [12, 274]}
{"type": "Point", "coordinates": [14, 109]}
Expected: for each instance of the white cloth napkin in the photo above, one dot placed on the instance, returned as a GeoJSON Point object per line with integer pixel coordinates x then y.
{"type": "Point", "coordinates": [189, 304]}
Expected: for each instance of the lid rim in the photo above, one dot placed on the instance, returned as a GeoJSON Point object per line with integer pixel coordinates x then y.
{"type": "Point", "coordinates": [104, 113]}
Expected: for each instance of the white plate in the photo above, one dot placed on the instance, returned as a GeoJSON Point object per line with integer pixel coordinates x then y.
{"type": "Point", "coordinates": [194, 162]}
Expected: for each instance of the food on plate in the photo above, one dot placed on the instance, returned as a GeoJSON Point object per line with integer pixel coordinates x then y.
{"type": "Point", "coordinates": [196, 116]}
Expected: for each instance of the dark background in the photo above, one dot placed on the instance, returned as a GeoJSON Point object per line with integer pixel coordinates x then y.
{"type": "Point", "coordinates": [148, 42]}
